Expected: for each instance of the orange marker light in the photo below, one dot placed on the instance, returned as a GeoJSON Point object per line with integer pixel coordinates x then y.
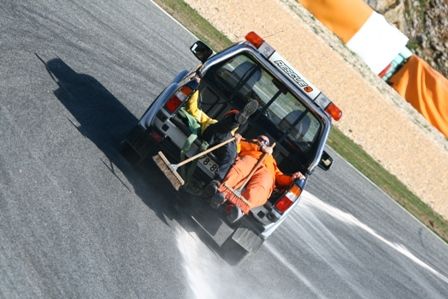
{"type": "Point", "coordinates": [295, 190]}
{"type": "Point", "coordinates": [334, 111]}
{"type": "Point", "coordinates": [308, 89]}
{"type": "Point", "coordinates": [254, 39]}
{"type": "Point", "coordinates": [186, 90]}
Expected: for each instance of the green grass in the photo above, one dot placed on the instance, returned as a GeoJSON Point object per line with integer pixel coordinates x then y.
{"type": "Point", "coordinates": [343, 145]}
{"type": "Point", "coordinates": [195, 23]}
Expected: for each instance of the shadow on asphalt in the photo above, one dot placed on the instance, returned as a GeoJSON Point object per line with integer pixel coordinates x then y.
{"type": "Point", "coordinates": [104, 120]}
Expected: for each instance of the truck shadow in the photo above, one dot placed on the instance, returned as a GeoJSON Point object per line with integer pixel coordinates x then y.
{"type": "Point", "coordinates": [105, 121]}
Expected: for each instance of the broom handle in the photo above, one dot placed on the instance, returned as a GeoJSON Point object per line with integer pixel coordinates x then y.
{"type": "Point", "coordinates": [205, 152]}
{"type": "Point", "coordinates": [251, 173]}
{"type": "Point", "coordinates": [241, 197]}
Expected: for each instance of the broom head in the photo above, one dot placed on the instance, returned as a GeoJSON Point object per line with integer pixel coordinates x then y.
{"type": "Point", "coordinates": [169, 170]}
{"type": "Point", "coordinates": [237, 199]}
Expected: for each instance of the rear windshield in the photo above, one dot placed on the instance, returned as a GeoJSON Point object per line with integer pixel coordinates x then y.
{"type": "Point", "coordinates": [281, 114]}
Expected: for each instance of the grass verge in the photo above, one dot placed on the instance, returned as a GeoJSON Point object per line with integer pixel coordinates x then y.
{"type": "Point", "coordinates": [343, 145]}
{"type": "Point", "coordinates": [192, 20]}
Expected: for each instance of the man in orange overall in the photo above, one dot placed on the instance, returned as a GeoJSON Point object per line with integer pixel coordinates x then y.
{"type": "Point", "coordinates": [260, 186]}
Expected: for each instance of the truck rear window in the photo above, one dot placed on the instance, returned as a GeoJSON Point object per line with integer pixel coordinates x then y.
{"type": "Point", "coordinates": [281, 114]}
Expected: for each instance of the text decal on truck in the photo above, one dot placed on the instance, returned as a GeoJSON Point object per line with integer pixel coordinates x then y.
{"type": "Point", "coordinates": [291, 73]}
{"type": "Point", "coordinates": [288, 70]}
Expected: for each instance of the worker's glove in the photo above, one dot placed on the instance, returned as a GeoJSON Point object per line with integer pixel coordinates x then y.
{"type": "Point", "coordinates": [297, 176]}
{"type": "Point", "coordinates": [204, 145]}
{"type": "Point", "coordinates": [238, 138]}
{"type": "Point", "coordinates": [266, 149]}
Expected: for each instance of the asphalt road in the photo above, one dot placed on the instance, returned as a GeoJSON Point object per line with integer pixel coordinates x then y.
{"type": "Point", "coordinates": [76, 220]}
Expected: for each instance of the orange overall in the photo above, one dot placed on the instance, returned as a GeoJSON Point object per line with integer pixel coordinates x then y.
{"type": "Point", "coordinates": [265, 178]}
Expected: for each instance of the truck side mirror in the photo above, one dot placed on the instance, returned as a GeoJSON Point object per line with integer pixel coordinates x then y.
{"type": "Point", "coordinates": [325, 161]}
{"type": "Point", "coordinates": [201, 51]}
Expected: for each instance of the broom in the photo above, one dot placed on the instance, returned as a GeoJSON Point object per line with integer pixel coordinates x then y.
{"type": "Point", "coordinates": [170, 170]}
{"type": "Point", "coordinates": [235, 196]}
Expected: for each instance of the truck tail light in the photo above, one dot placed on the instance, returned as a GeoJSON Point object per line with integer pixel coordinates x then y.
{"type": "Point", "coordinates": [334, 111]}
{"type": "Point", "coordinates": [326, 104]}
{"type": "Point", "coordinates": [283, 204]}
{"type": "Point", "coordinates": [172, 104]}
{"type": "Point", "coordinates": [286, 201]}
{"type": "Point", "coordinates": [178, 98]}
{"type": "Point", "coordinates": [254, 39]}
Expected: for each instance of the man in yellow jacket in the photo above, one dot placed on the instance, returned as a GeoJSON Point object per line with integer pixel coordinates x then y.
{"type": "Point", "coordinates": [266, 177]}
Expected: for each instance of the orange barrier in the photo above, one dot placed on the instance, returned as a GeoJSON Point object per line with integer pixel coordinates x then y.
{"type": "Point", "coordinates": [363, 31]}
{"type": "Point", "coordinates": [370, 36]}
{"type": "Point", "coordinates": [425, 89]}
{"type": "Point", "coordinates": [343, 17]}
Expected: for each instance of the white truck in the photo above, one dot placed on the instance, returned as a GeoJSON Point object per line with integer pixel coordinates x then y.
{"type": "Point", "coordinates": [292, 112]}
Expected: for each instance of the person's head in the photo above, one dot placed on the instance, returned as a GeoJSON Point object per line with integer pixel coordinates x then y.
{"type": "Point", "coordinates": [263, 140]}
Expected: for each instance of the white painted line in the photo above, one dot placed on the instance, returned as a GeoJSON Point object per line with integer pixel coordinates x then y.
{"type": "Point", "coordinates": [293, 270]}
{"type": "Point", "coordinates": [314, 202]}
{"type": "Point", "coordinates": [387, 195]}
{"type": "Point", "coordinates": [171, 17]}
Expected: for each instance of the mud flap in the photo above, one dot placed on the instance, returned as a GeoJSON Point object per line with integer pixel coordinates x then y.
{"type": "Point", "coordinates": [247, 239]}
{"type": "Point", "coordinates": [210, 221]}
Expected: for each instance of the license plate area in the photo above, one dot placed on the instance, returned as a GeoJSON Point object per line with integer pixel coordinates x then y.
{"type": "Point", "coordinates": [208, 165]}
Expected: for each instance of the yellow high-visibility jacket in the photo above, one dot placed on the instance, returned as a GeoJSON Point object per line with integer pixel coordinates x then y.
{"type": "Point", "coordinates": [192, 107]}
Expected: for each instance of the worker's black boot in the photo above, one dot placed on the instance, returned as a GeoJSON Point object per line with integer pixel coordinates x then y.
{"type": "Point", "coordinates": [217, 200]}
{"type": "Point", "coordinates": [248, 110]}
{"type": "Point", "coordinates": [211, 189]}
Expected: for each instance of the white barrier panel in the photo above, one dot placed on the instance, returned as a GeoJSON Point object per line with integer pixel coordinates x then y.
{"type": "Point", "coordinates": [377, 42]}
